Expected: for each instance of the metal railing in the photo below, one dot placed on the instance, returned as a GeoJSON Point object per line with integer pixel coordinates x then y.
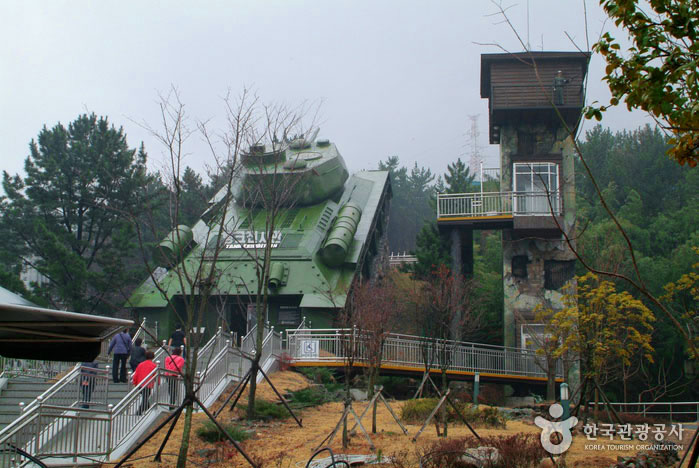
{"type": "Point", "coordinates": [11, 368]}
{"type": "Point", "coordinates": [133, 409]}
{"type": "Point", "coordinates": [476, 205]}
{"type": "Point", "coordinates": [57, 425]}
{"type": "Point", "coordinates": [248, 343]}
{"type": "Point", "coordinates": [398, 259]}
{"type": "Point", "coordinates": [42, 423]}
{"type": "Point", "coordinates": [411, 351]}
{"type": "Point", "coordinates": [141, 332]}
{"type": "Point", "coordinates": [272, 344]}
{"type": "Point", "coordinates": [679, 411]}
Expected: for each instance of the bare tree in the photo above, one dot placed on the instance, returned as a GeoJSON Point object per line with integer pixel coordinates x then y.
{"type": "Point", "coordinates": [448, 310]}
{"type": "Point", "coordinates": [375, 311]}
{"type": "Point", "coordinates": [268, 189]}
{"type": "Point", "coordinates": [246, 182]}
{"type": "Point", "coordinates": [196, 278]}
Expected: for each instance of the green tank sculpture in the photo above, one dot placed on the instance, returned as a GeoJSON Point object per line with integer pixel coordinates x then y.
{"type": "Point", "coordinates": [330, 227]}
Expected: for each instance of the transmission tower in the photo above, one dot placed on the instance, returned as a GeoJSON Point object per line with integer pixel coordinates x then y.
{"type": "Point", "coordinates": [475, 160]}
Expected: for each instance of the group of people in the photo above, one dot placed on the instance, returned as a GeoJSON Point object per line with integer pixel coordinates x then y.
{"type": "Point", "coordinates": [142, 364]}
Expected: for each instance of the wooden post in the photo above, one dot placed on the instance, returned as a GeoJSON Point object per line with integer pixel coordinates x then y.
{"type": "Point", "coordinates": [434, 411]}
{"type": "Point", "coordinates": [405, 431]}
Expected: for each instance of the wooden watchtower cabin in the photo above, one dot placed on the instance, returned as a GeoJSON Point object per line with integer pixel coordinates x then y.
{"type": "Point", "coordinates": [535, 101]}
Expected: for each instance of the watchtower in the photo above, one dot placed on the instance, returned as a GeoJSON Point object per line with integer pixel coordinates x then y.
{"type": "Point", "coordinates": [535, 100]}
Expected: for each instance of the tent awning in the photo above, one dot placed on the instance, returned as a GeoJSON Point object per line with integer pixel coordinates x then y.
{"type": "Point", "coordinates": [32, 332]}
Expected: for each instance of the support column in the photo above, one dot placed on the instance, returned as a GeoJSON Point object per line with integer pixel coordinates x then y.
{"type": "Point", "coordinates": [456, 259]}
{"type": "Point", "coordinates": [456, 267]}
{"type": "Point", "coordinates": [461, 262]}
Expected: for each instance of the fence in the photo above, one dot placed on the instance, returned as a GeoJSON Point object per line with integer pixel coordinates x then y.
{"type": "Point", "coordinates": [487, 204]}
{"type": "Point", "coordinates": [412, 351]}
{"type": "Point", "coordinates": [679, 411]}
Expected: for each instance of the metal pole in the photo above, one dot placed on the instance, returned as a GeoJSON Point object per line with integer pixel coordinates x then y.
{"type": "Point", "coordinates": [476, 385]}
{"type": "Point", "coordinates": [565, 402]}
{"type": "Point", "coordinates": [481, 178]}
{"type": "Point", "coordinates": [110, 409]}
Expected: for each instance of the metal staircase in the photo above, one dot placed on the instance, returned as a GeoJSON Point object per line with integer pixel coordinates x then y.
{"type": "Point", "coordinates": [57, 429]}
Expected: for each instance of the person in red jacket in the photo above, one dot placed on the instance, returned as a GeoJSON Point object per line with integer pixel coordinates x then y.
{"type": "Point", "coordinates": [139, 380]}
{"type": "Point", "coordinates": [174, 364]}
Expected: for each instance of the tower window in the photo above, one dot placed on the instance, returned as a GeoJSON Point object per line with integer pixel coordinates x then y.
{"type": "Point", "coordinates": [536, 188]}
{"type": "Point", "coordinates": [557, 273]}
{"type": "Point", "coordinates": [519, 266]}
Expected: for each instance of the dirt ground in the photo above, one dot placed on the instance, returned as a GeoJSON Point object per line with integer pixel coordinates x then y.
{"type": "Point", "coordinates": [282, 444]}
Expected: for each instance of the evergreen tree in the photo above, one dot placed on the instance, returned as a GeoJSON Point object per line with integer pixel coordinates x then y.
{"type": "Point", "coordinates": [431, 250]}
{"type": "Point", "coordinates": [194, 197]}
{"type": "Point", "coordinates": [70, 210]}
{"type": "Point", "coordinates": [459, 178]}
{"type": "Point", "coordinates": [410, 205]}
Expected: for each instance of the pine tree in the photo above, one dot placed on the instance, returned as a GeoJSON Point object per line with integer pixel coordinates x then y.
{"type": "Point", "coordinates": [70, 210]}
{"type": "Point", "coordinates": [459, 178]}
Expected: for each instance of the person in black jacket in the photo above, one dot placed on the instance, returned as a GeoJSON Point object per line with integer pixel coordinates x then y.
{"type": "Point", "coordinates": [178, 339]}
{"type": "Point", "coordinates": [138, 354]}
{"type": "Point", "coordinates": [87, 381]}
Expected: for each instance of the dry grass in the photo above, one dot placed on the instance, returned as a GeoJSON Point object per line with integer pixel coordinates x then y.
{"type": "Point", "coordinates": [285, 440]}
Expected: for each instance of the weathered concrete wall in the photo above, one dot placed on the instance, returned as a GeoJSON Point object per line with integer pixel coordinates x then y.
{"type": "Point", "coordinates": [378, 263]}
{"type": "Point", "coordinates": [529, 256]}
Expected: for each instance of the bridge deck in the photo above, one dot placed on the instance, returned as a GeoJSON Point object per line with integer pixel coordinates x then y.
{"type": "Point", "coordinates": [405, 355]}
{"type": "Point", "coordinates": [415, 371]}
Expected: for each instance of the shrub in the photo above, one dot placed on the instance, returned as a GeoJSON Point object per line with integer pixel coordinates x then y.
{"type": "Point", "coordinates": [320, 375]}
{"type": "Point", "coordinates": [416, 411]}
{"type": "Point", "coordinates": [397, 387]}
{"type": "Point", "coordinates": [313, 396]}
{"type": "Point", "coordinates": [516, 451]}
{"type": "Point", "coordinates": [285, 362]}
{"type": "Point", "coordinates": [444, 453]}
{"type": "Point", "coordinates": [208, 432]}
{"type": "Point", "coordinates": [656, 459]}
{"type": "Point", "coordinates": [267, 410]}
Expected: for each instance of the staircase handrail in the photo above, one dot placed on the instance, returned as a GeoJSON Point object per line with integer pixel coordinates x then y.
{"type": "Point", "coordinates": [131, 401]}
{"type": "Point", "coordinates": [122, 418]}
{"type": "Point", "coordinates": [140, 331]}
{"type": "Point", "coordinates": [46, 400]}
{"type": "Point", "coordinates": [208, 379]}
{"type": "Point", "coordinates": [55, 388]}
{"type": "Point", "coordinates": [32, 367]}
{"type": "Point", "coordinates": [15, 428]}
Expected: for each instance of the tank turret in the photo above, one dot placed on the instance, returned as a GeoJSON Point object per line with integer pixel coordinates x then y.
{"type": "Point", "coordinates": [308, 172]}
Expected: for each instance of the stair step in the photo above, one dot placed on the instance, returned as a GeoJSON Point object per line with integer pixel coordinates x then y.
{"type": "Point", "coordinates": [28, 386]}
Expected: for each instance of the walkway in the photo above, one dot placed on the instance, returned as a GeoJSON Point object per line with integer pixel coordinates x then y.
{"type": "Point", "coordinates": [403, 355]}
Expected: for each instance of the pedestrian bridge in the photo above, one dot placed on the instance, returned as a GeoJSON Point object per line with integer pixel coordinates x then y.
{"type": "Point", "coordinates": [407, 355]}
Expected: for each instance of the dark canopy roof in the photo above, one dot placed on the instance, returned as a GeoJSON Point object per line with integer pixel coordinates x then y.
{"type": "Point", "coordinates": [28, 331]}
{"type": "Point", "coordinates": [583, 58]}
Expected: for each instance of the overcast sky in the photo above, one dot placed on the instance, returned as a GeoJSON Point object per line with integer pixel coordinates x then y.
{"type": "Point", "coordinates": [395, 77]}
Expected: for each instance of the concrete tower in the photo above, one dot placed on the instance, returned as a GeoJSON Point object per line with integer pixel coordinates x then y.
{"type": "Point", "coordinates": [535, 102]}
